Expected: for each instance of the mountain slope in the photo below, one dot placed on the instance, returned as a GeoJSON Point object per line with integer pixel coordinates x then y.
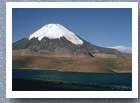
{"type": "Point", "coordinates": [56, 40]}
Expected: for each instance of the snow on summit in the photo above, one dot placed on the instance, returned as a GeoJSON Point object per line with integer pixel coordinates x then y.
{"type": "Point", "coordinates": [55, 31]}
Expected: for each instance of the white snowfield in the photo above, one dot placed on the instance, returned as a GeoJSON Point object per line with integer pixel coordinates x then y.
{"type": "Point", "coordinates": [55, 31]}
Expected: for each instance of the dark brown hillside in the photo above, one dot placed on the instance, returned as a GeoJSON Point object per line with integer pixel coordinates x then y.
{"type": "Point", "coordinates": [61, 48]}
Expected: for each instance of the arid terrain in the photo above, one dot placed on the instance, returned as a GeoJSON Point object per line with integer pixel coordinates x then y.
{"type": "Point", "coordinates": [83, 64]}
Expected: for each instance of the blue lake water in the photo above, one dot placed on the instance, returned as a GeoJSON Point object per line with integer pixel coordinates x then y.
{"type": "Point", "coordinates": [121, 80]}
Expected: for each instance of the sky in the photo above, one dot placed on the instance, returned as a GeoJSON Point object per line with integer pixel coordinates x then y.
{"type": "Point", "coordinates": [105, 27]}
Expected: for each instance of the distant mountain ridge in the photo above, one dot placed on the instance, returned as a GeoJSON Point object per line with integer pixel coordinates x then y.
{"type": "Point", "coordinates": [56, 41]}
{"type": "Point", "coordinates": [122, 49]}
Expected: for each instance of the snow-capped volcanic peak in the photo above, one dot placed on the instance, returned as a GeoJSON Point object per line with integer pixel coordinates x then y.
{"type": "Point", "coordinates": [55, 31]}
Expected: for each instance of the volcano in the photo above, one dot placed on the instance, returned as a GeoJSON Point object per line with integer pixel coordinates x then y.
{"type": "Point", "coordinates": [54, 40]}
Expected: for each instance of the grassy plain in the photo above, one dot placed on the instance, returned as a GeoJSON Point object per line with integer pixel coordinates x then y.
{"type": "Point", "coordinates": [75, 64]}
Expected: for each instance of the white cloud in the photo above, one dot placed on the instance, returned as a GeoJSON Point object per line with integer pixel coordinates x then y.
{"type": "Point", "coordinates": [122, 49]}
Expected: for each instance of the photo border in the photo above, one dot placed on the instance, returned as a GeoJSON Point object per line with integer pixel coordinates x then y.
{"type": "Point", "coordinates": [71, 94]}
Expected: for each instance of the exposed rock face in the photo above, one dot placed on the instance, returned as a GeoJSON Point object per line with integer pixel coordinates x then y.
{"type": "Point", "coordinates": [67, 44]}
{"type": "Point", "coordinates": [61, 48]}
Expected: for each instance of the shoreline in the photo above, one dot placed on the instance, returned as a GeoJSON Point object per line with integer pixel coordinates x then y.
{"type": "Point", "coordinates": [68, 71]}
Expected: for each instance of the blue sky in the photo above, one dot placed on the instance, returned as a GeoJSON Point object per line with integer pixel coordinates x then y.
{"type": "Point", "coordinates": [104, 27]}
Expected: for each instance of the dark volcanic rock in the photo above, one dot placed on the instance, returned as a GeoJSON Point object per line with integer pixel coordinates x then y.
{"type": "Point", "coordinates": [48, 46]}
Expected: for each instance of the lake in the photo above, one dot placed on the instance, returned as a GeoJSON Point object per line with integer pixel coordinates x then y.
{"type": "Point", "coordinates": [52, 80]}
